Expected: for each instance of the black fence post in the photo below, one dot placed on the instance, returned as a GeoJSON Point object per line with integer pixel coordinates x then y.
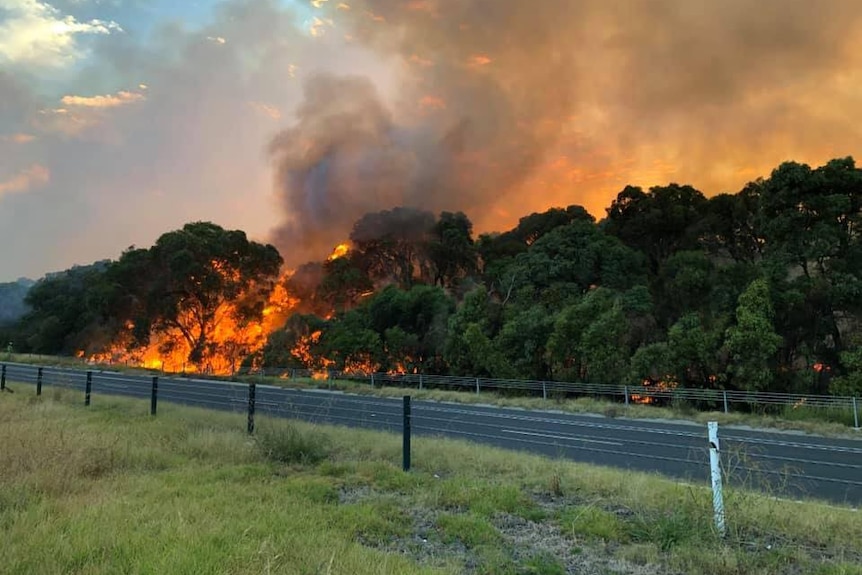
{"type": "Point", "coordinates": [406, 428]}
{"type": "Point", "coordinates": [154, 394]}
{"type": "Point", "coordinates": [88, 388]}
{"type": "Point", "coordinates": [3, 377]}
{"type": "Point", "coordinates": [251, 390]}
{"type": "Point", "coordinates": [39, 381]}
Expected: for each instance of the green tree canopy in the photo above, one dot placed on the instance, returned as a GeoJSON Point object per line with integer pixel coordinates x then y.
{"type": "Point", "coordinates": [752, 342]}
{"type": "Point", "coordinates": [451, 249]}
{"type": "Point", "coordinates": [657, 223]}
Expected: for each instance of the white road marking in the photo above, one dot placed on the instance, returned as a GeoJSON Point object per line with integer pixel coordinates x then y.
{"type": "Point", "coordinates": [566, 437]}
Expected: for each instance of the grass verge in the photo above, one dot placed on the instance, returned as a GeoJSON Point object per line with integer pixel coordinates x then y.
{"type": "Point", "coordinates": [108, 489]}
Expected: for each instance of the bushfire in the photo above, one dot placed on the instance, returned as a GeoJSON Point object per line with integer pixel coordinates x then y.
{"type": "Point", "coordinates": [340, 251]}
{"type": "Point", "coordinates": [229, 338]}
{"type": "Point", "coordinates": [665, 384]}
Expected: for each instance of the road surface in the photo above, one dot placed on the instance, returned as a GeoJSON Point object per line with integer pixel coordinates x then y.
{"type": "Point", "coordinates": [784, 464]}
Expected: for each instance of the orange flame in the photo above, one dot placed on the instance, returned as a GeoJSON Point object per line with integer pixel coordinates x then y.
{"type": "Point", "coordinates": [665, 384]}
{"type": "Point", "coordinates": [230, 338]}
{"type": "Point", "coordinates": [401, 369]}
{"type": "Point", "coordinates": [339, 251]}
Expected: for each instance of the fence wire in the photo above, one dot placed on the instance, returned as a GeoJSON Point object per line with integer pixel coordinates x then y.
{"type": "Point", "coordinates": [774, 461]}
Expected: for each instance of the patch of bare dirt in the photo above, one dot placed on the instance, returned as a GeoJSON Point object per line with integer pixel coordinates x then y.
{"type": "Point", "coordinates": [524, 540]}
{"type": "Point", "coordinates": [529, 538]}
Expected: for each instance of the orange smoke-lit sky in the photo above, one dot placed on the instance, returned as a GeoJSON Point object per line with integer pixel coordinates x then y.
{"type": "Point", "coordinates": [122, 120]}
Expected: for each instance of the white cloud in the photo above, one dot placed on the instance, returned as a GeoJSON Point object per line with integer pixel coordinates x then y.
{"type": "Point", "coordinates": [107, 101]}
{"type": "Point", "coordinates": [80, 114]}
{"type": "Point", "coordinates": [25, 180]}
{"type": "Point", "coordinates": [36, 33]}
{"type": "Point", "coordinates": [194, 148]}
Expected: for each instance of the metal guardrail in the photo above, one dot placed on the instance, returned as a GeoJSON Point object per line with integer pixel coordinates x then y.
{"type": "Point", "coordinates": [717, 398]}
{"type": "Point", "coordinates": [627, 393]}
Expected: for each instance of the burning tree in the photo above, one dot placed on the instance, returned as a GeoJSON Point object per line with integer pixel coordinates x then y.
{"type": "Point", "coordinates": [200, 294]}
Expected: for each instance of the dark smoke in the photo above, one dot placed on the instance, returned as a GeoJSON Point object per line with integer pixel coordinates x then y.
{"type": "Point", "coordinates": [711, 92]}
{"type": "Point", "coordinates": [342, 159]}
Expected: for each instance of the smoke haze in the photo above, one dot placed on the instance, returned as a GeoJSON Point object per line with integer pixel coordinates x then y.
{"type": "Point", "coordinates": [293, 122]}
{"type": "Point", "coordinates": [505, 106]}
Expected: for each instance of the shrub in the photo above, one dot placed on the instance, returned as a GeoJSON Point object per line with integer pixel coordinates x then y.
{"type": "Point", "coordinates": [287, 444]}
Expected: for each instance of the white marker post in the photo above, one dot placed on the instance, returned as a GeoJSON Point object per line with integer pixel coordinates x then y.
{"type": "Point", "coordinates": [715, 466]}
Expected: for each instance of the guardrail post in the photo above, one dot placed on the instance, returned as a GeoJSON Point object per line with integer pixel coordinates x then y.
{"type": "Point", "coordinates": [154, 394]}
{"type": "Point", "coordinates": [855, 413]}
{"type": "Point", "coordinates": [626, 392]}
{"type": "Point", "coordinates": [724, 394]}
{"type": "Point", "coordinates": [39, 381]}
{"type": "Point", "coordinates": [3, 377]}
{"type": "Point", "coordinates": [372, 381]}
{"type": "Point", "coordinates": [88, 388]}
{"type": "Point", "coordinates": [715, 469]}
{"type": "Point", "coordinates": [544, 391]}
{"type": "Point", "coordinates": [406, 435]}
{"type": "Point", "coordinates": [251, 393]}
{"type": "Point", "coordinates": [420, 381]}
{"type": "Point", "coordinates": [477, 386]}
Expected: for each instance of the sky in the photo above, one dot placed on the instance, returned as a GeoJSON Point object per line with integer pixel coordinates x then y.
{"type": "Point", "coordinates": [121, 120]}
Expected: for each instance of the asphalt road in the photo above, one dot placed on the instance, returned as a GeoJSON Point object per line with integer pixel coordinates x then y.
{"type": "Point", "coordinates": [784, 464]}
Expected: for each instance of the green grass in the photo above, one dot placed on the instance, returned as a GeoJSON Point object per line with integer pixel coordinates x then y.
{"type": "Point", "coordinates": [592, 522]}
{"type": "Point", "coordinates": [109, 489]}
{"type": "Point", "coordinates": [471, 529]}
{"type": "Point", "coordinates": [821, 421]}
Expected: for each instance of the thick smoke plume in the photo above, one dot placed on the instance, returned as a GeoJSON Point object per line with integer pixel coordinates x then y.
{"type": "Point", "coordinates": [504, 106]}
{"type": "Point", "coordinates": [495, 107]}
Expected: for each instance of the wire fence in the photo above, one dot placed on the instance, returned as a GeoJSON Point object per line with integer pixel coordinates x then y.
{"type": "Point", "coordinates": [720, 399]}
{"type": "Point", "coordinates": [843, 408]}
{"type": "Point", "coordinates": [795, 465]}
